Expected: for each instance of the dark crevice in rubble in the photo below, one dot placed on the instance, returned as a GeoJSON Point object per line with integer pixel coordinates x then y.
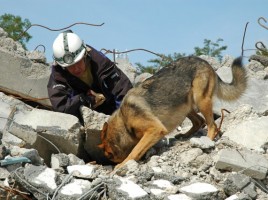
{"type": "Point", "coordinates": [31, 101]}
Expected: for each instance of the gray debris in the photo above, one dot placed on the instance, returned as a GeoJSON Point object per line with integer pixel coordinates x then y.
{"type": "Point", "coordinates": [60, 148]}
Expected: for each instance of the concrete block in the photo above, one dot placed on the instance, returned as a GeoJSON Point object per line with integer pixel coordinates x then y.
{"type": "Point", "coordinates": [31, 154]}
{"type": "Point", "coordinates": [74, 160]}
{"type": "Point", "coordinates": [59, 160]}
{"type": "Point", "coordinates": [31, 78]}
{"type": "Point", "coordinates": [82, 171]}
{"type": "Point", "coordinates": [178, 197]}
{"type": "Point", "coordinates": [93, 125]}
{"type": "Point", "coordinates": [4, 173]}
{"type": "Point", "coordinates": [251, 133]}
{"type": "Point", "coordinates": [11, 139]}
{"type": "Point", "coordinates": [4, 115]}
{"type": "Point", "coordinates": [202, 142]}
{"type": "Point", "coordinates": [200, 190]}
{"type": "Point", "coordinates": [74, 190]}
{"type": "Point", "coordinates": [48, 132]}
{"type": "Point", "coordinates": [251, 164]}
{"type": "Point", "coordinates": [162, 187]}
{"type": "Point", "coordinates": [39, 178]}
{"type": "Point", "coordinates": [235, 183]}
{"type": "Point", "coordinates": [123, 188]}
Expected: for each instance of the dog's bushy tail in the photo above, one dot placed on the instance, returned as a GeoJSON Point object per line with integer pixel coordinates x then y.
{"type": "Point", "coordinates": [232, 91]}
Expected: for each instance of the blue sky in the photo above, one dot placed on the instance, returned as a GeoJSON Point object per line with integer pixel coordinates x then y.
{"type": "Point", "coordinates": [165, 26]}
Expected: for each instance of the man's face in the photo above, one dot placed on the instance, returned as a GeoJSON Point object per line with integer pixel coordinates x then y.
{"type": "Point", "coordinates": [78, 68]}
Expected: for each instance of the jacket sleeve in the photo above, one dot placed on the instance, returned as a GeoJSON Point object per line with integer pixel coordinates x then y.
{"type": "Point", "coordinates": [64, 99]}
{"type": "Point", "coordinates": [112, 79]}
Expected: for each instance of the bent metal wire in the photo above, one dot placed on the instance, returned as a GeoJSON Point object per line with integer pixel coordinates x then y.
{"type": "Point", "coordinates": [259, 45]}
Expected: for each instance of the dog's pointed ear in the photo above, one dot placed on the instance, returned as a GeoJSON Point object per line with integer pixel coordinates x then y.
{"type": "Point", "coordinates": [103, 131]}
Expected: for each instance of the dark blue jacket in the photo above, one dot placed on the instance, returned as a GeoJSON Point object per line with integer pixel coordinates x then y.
{"type": "Point", "coordinates": [66, 91]}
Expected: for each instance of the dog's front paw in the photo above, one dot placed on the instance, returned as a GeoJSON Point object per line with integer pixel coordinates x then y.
{"type": "Point", "coordinates": [118, 166]}
{"type": "Point", "coordinates": [120, 170]}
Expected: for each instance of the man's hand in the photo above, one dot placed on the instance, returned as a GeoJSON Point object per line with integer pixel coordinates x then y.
{"type": "Point", "coordinates": [99, 98]}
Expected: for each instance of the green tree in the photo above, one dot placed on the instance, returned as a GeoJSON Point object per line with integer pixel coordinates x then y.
{"type": "Point", "coordinates": [210, 48]}
{"type": "Point", "coordinates": [158, 63]}
{"type": "Point", "coordinates": [14, 26]}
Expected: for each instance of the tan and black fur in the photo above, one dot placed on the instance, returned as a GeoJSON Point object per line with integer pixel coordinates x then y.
{"type": "Point", "coordinates": [161, 103]}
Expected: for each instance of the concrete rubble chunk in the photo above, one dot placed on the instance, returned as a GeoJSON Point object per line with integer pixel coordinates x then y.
{"type": "Point", "coordinates": [23, 70]}
{"type": "Point", "coordinates": [59, 160]}
{"type": "Point", "coordinates": [36, 179]}
{"type": "Point", "coordinates": [74, 190]}
{"type": "Point", "coordinates": [233, 197]}
{"type": "Point", "coordinates": [82, 171]}
{"type": "Point", "coordinates": [32, 154]}
{"type": "Point", "coordinates": [93, 123]}
{"type": "Point", "coordinates": [123, 188]}
{"type": "Point", "coordinates": [4, 115]}
{"type": "Point", "coordinates": [239, 182]}
{"type": "Point", "coordinates": [202, 142]}
{"type": "Point", "coordinates": [36, 56]}
{"type": "Point", "coordinates": [190, 155]}
{"type": "Point", "coordinates": [74, 160]}
{"type": "Point", "coordinates": [178, 197]}
{"type": "Point", "coordinates": [11, 139]}
{"type": "Point", "coordinates": [200, 191]}
{"type": "Point", "coordinates": [251, 164]}
{"type": "Point", "coordinates": [251, 133]}
{"type": "Point", "coordinates": [4, 173]}
{"type": "Point", "coordinates": [163, 186]}
{"type": "Point", "coordinates": [46, 131]}
{"type": "Point", "coordinates": [169, 166]}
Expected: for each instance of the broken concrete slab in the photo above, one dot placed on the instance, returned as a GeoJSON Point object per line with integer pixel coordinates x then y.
{"type": "Point", "coordinates": [124, 188]}
{"type": "Point", "coordinates": [10, 139]}
{"type": "Point", "coordinates": [93, 123]}
{"type": "Point", "coordinates": [82, 171]}
{"type": "Point", "coordinates": [178, 197]}
{"type": "Point", "coordinates": [165, 185]}
{"type": "Point", "coordinates": [21, 70]}
{"type": "Point", "coordinates": [201, 190]}
{"type": "Point", "coordinates": [251, 164]}
{"type": "Point", "coordinates": [239, 182]}
{"type": "Point", "coordinates": [235, 182]}
{"type": "Point", "coordinates": [59, 160]}
{"type": "Point", "coordinates": [4, 115]}
{"type": "Point", "coordinates": [42, 181]}
{"type": "Point", "coordinates": [31, 154]}
{"type": "Point", "coordinates": [48, 132]}
{"type": "Point", "coordinates": [76, 189]}
{"type": "Point", "coordinates": [4, 173]}
{"type": "Point", "coordinates": [74, 160]}
{"type": "Point", "coordinates": [203, 142]}
{"type": "Point", "coordinates": [251, 133]}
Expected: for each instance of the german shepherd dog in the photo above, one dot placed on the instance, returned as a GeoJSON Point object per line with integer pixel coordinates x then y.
{"type": "Point", "coordinates": [159, 104]}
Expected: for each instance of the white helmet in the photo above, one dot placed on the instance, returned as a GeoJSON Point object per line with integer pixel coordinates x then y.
{"type": "Point", "coordinates": [68, 49]}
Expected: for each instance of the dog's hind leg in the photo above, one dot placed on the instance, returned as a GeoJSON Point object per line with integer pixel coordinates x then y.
{"type": "Point", "coordinates": [205, 107]}
{"type": "Point", "coordinates": [203, 89]}
{"type": "Point", "coordinates": [197, 121]}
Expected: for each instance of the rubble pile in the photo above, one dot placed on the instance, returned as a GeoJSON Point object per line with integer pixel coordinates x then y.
{"type": "Point", "coordinates": [50, 155]}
